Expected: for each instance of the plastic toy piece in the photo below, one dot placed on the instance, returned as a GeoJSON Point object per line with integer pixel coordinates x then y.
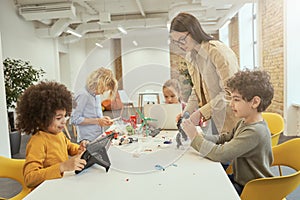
{"type": "Point", "coordinates": [144, 121]}
{"type": "Point", "coordinates": [159, 167]}
{"type": "Point", "coordinates": [154, 132]}
{"type": "Point", "coordinates": [127, 140]}
{"type": "Point", "coordinates": [132, 121]}
{"type": "Point", "coordinates": [181, 133]}
{"type": "Point", "coordinates": [130, 130]}
{"type": "Point", "coordinates": [96, 152]}
{"type": "Point", "coordinates": [116, 119]}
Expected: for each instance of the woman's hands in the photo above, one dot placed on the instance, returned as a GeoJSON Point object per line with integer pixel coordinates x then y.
{"type": "Point", "coordinates": [189, 128]}
{"type": "Point", "coordinates": [196, 117]}
{"type": "Point", "coordinates": [178, 117]}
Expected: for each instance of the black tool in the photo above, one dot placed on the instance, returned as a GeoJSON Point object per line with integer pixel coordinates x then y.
{"type": "Point", "coordinates": [96, 152]}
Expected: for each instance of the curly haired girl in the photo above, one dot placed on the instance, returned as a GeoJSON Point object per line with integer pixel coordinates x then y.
{"type": "Point", "coordinates": [41, 112]}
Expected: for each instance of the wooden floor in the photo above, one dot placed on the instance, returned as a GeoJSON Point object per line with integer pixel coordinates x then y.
{"type": "Point", "coordinates": [9, 187]}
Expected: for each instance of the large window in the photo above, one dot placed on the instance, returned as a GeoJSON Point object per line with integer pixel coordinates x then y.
{"type": "Point", "coordinates": [224, 34]}
{"type": "Point", "coordinates": [248, 36]}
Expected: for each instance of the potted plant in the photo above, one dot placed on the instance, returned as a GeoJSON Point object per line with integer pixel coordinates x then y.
{"type": "Point", "coordinates": [18, 76]}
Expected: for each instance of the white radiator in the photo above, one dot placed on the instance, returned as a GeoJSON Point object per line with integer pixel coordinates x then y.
{"type": "Point", "coordinates": [293, 120]}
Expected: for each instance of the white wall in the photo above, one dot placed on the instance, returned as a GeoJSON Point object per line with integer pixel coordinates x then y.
{"type": "Point", "coordinates": [87, 58]}
{"type": "Point", "coordinates": [248, 59]}
{"type": "Point", "coordinates": [4, 141]}
{"type": "Point", "coordinates": [224, 34]}
{"type": "Point", "coordinates": [145, 67]}
{"type": "Point", "coordinates": [292, 95]}
{"type": "Point", "coordinates": [19, 42]}
{"type": "Point", "coordinates": [77, 55]}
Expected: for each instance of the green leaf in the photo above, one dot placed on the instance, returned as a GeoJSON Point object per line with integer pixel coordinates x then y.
{"type": "Point", "coordinates": [18, 76]}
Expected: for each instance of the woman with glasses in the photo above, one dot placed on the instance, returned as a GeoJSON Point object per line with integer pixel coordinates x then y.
{"type": "Point", "coordinates": [211, 64]}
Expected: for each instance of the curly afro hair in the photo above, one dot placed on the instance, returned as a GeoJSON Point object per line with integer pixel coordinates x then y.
{"type": "Point", "coordinates": [253, 83]}
{"type": "Point", "coordinates": [37, 107]}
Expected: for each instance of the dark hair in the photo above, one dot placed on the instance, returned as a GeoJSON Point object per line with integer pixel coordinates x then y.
{"type": "Point", "coordinates": [185, 22]}
{"type": "Point", "coordinates": [253, 83]}
{"type": "Point", "coordinates": [37, 107]}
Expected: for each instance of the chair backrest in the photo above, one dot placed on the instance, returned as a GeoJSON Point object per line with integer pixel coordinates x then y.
{"type": "Point", "coordinates": [287, 154]}
{"type": "Point", "coordinates": [273, 188]}
{"type": "Point", "coordinates": [278, 187]}
{"type": "Point", "coordinates": [13, 169]}
{"type": "Point", "coordinates": [276, 125]}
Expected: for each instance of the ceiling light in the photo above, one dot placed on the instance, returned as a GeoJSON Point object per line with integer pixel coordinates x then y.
{"type": "Point", "coordinates": [135, 43]}
{"type": "Point", "coordinates": [73, 33]}
{"type": "Point", "coordinates": [99, 45]}
{"type": "Point", "coordinates": [122, 30]}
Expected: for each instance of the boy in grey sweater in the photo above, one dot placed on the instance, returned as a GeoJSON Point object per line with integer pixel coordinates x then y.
{"type": "Point", "coordinates": [248, 145]}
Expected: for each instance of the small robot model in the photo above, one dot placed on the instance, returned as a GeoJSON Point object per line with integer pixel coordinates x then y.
{"type": "Point", "coordinates": [181, 133]}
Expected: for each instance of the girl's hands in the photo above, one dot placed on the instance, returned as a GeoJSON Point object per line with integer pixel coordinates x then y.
{"type": "Point", "coordinates": [105, 121]}
{"type": "Point", "coordinates": [82, 146]}
{"type": "Point", "coordinates": [74, 163]}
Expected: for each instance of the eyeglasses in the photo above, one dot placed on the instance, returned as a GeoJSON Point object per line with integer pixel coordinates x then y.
{"type": "Point", "coordinates": [181, 41]}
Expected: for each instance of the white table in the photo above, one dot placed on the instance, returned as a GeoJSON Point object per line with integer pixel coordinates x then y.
{"type": "Point", "coordinates": [189, 177]}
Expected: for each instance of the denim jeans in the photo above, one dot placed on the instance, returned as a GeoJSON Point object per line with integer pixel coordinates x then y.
{"type": "Point", "coordinates": [239, 188]}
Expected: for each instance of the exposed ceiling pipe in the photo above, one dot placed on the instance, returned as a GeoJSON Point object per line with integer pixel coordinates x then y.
{"type": "Point", "coordinates": [101, 36]}
{"type": "Point", "coordinates": [46, 21]}
{"type": "Point", "coordinates": [110, 30]}
{"type": "Point", "coordinates": [232, 12]}
{"type": "Point", "coordinates": [174, 10]}
{"type": "Point", "coordinates": [83, 17]}
{"type": "Point", "coordinates": [60, 25]}
{"type": "Point", "coordinates": [138, 2]}
{"type": "Point", "coordinates": [88, 7]}
{"type": "Point", "coordinates": [88, 27]}
{"type": "Point", "coordinates": [55, 30]}
{"type": "Point", "coordinates": [135, 23]}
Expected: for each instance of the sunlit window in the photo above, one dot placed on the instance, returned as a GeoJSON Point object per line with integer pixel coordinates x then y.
{"type": "Point", "coordinates": [248, 36]}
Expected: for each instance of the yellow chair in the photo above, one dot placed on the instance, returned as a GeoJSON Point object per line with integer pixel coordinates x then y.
{"type": "Point", "coordinates": [13, 169]}
{"type": "Point", "coordinates": [277, 188]}
{"type": "Point", "coordinates": [276, 125]}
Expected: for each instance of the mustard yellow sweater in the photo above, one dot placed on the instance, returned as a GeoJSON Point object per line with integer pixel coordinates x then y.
{"type": "Point", "coordinates": [44, 153]}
